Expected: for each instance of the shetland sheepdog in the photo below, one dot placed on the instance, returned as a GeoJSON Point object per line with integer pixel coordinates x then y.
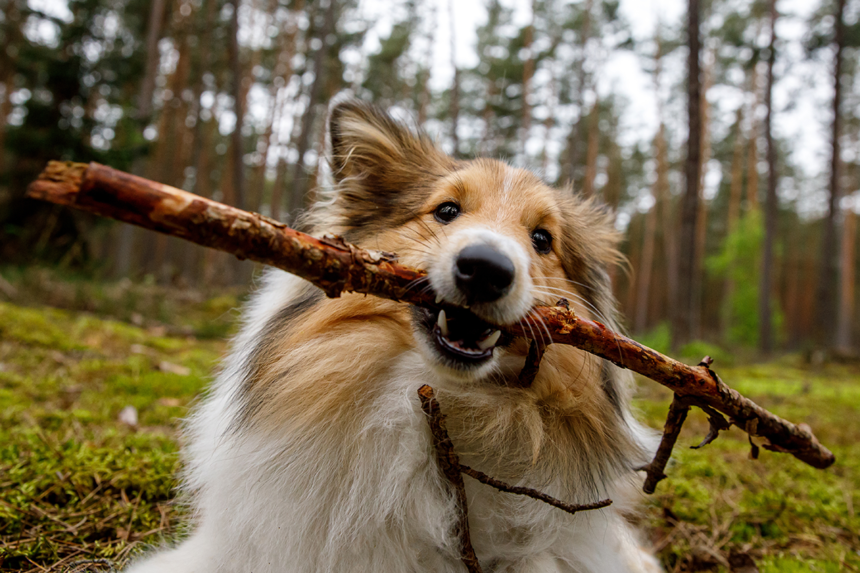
{"type": "Point", "coordinates": [311, 452]}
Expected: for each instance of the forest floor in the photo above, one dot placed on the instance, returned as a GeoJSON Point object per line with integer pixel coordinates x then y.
{"type": "Point", "coordinates": [77, 483]}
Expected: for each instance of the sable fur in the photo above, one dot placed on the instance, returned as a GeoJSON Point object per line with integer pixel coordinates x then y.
{"type": "Point", "coordinates": [311, 453]}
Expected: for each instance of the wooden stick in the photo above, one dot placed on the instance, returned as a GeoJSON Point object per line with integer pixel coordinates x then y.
{"type": "Point", "coordinates": [336, 266]}
{"type": "Point", "coordinates": [449, 463]}
{"type": "Point", "coordinates": [678, 410]}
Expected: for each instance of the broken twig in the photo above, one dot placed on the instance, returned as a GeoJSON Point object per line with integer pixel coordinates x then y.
{"type": "Point", "coordinates": [570, 508]}
{"type": "Point", "coordinates": [654, 471]}
{"type": "Point", "coordinates": [449, 463]}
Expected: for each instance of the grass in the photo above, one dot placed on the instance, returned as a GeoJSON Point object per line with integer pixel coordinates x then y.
{"type": "Point", "coordinates": [77, 484]}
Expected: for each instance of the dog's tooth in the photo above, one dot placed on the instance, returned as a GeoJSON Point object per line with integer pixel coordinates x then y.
{"type": "Point", "coordinates": [442, 323]}
{"type": "Point", "coordinates": [490, 341]}
{"type": "Point", "coordinates": [438, 298]}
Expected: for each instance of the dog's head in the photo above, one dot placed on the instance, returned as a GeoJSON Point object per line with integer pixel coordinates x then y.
{"type": "Point", "coordinates": [494, 239]}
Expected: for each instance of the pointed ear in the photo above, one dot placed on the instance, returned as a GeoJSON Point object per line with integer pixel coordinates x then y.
{"type": "Point", "coordinates": [382, 169]}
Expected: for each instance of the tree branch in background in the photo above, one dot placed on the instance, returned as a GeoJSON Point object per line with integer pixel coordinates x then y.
{"type": "Point", "coordinates": [336, 266]}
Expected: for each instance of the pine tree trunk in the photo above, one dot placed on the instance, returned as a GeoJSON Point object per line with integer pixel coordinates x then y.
{"type": "Point", "coordinates": [682, 327]}
{"type": "Point", "coordinates": [825, 297]}
{"type": "Point", "coordinates": [237, 151]}
{"type": "Point", "coordinates": [455, 87]}
{"type": "Point", "coordinates": [591, 150]}
{"type": "Point", "coordinates": [732, 216]}
{"type": "Point", "coordinates": [298, 175]}
{"type": "Point", "coordinates": [424, 97]}
{"type": "Point", "coordinates": [770, 210]}
{"type": "Point", "coordinates": [846, 283]}
{"type": "Point", "coordinates": [635, 278]}
{"type": "Point", "coordinates": [7, 72]}
{"type": "Point", "coordinates": [283, 70]}
{"type": "Point", "coordinates": [647, 259]}
{"type": "Point", "coordinates": [702, 211]}
{"type": "Point", "coordinates": [752, 153]}
{"type": "Point", "coordinates": [572, 157]}
{"type": "Point", "coordinates": [528, 72]}
{"type": "Point", "coordinates": [549, 120]}
{"type": "Point", "coordinates": [128, 235]}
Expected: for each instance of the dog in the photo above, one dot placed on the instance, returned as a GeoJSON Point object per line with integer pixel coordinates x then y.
{"type": "Point", "coordinates": [311, 452]}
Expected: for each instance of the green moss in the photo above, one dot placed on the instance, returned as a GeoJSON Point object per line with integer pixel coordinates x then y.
{"type": "Point", "coordinates": [72, 478]}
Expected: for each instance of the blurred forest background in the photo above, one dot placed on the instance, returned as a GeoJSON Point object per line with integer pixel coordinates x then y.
{"type": "Point", "coordinates": [731, 239]}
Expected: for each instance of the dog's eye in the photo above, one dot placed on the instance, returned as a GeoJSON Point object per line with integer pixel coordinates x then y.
{"type": "Point", "coordinates": [542, 241]}
{"type": "Point", "coordinates": [447, 212]}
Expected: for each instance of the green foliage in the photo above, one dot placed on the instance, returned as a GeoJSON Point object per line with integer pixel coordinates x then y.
{"type": "Point", "coordinates": [740, 261]}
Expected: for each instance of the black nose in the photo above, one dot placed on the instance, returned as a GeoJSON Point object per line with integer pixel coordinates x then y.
{"type": "Point", "coordinates": [483, 274]}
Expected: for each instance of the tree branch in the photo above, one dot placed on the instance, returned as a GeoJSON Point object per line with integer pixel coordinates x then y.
{"type": "Point", "coordinates": [336, 266]}
{"type": "Point", "coordinates": [449, 463]}
{"type": "Point", "coordinates": [678, 410]}
{"type": "Point", "coordinates": [570, 508]}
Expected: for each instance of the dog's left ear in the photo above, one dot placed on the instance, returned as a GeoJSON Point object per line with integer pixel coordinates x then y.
{"type": "Point", "coordinates": [381, 168]}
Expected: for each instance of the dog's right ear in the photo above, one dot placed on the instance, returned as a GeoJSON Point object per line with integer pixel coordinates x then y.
{"type": "Point", "coordinates": [367, 142]}
{"type": "Point", "coordinates": [380, 167]}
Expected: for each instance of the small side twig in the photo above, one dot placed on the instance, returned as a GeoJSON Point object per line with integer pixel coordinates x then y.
{"type": "Point", "coordinates": [449, 463]}
{"type": "Point", "coordinates": [716, 424]}
{"type": "Point", "coordinates": [533, 493]}
{"type": "Point", "coordinates": [452, 469]}
{"type": "Point", "coordinates": [677, 414]}
{"type": "Point", "coordinates": [532, 365]}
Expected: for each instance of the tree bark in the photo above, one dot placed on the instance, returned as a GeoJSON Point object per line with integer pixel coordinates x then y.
{"type": "Point", "coordinates": [593, 142]}
{"type": "Point", "coordinates": [298, 176]}
{"type": "Point", "coordinates": [770, 210]}
{"type": "Point", "coordinates": [571, 162]}
{"type": "Point", "coordinates": [424, 95]}
{"type": "Point", "coordinates": [282, 71]}
{"type": "Point", "coordinates": [336, 267]}
{"type": "Point", "coordinates": [528, 72]}
{"type": "Point", "coordinates": [454, 109]}
{"type": "Point", "coordinates": [702, 209]}
{"type": "Point", "coordinates": [732, 216]}
{"type": "Point", "coordinates": [825, 316]}
{"type": "Point", "coordinates": [846, 283]}
{"type": "Point", "coordinates": [649, 240]}
{"type": "Point", "coordinates": [683, 324]}
{"type": "Point", "coordinates": [752, 152]}
{"type": "Point", "coordinates": [668, 219]}
{"type": "Point", "coordinates": [236, 140]}
{"type": "Point", "coordinates": [128, 235]}
{"type": "Point", "coordinates": [7, 71]}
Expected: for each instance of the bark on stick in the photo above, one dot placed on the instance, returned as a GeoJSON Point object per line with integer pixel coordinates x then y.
{"type": "Point", "coordinates": [336, 266]}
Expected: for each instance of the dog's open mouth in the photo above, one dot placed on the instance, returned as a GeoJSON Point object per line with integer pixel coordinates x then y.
{"type": "Point", "coordinates": [461, 336]}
